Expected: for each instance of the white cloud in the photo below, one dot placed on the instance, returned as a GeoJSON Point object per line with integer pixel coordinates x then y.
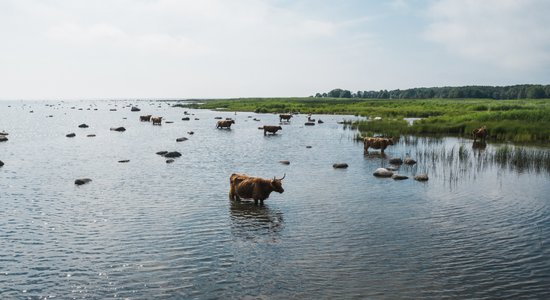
{"type": "Point", "coordinates": [510, 34]}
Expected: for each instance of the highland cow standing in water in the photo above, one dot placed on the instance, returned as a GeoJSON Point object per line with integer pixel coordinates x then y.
{"type": "Point", "coordinates": [225, 124]}
{"type": "Point", "coordinates": [480, 133]}
{"type": "Point", "coordinates": [285, 117]}
{"type": "Point", "coordinates": [377, 143]}
{"type": "Point", "coordinates": [272, 129]}
{"type": "Point", "coordinates": [247, 187]}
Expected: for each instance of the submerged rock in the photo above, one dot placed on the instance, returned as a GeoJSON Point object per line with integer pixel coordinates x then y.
{"type": "Point", "coordinates": [181, 139]}
{"type": "Point", "coordinates": [119, 129]}
{"type": "Point", "coordinates": [410, 161]}
{"type": "Point", "coordinates": [169, 161]}
{"type": "Point", "coordinates": [399, 177]}
{"type": "Point", "coordinates": [392, 168]}
{"type": "Point", "coordinates": [284, 162]}
{"type": "Point", "coordinates": [1, 163]}
{"type": "Point", "coordinates": [309, 123]}
{"type": "Point", "coordinates": [162, 153]}
{"type": "Point", "coordinates": [90, 135]}
{"type": "Point", "coordinates": [185, 119]}
{"type": "Point", "coordinates": [83, 126]}
{"type": "Point", "coordinates": [70, 135]}
{"type": "Point", "coordinates": [3, 138]}
{"type": "Point", "coordinates": [124, 161]}
{"type": "Point", "coordinates": [340, 165]}
{"type": "Point", "coordinates": [421, 177]}
{"type": "Point", "coordinates": [135, 109]}
{"type": "Point", "coordinates": [82, 181]}
{"type": "Point", "coordinates": [382, 172]}
{"type": "Point", "coordinates": [396, 161]}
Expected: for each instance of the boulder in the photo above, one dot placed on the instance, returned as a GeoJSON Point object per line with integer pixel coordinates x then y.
{"type": "Point", "coordinates": [82, 181]}
{"type": "Point", "coordinates": [185, 119]}
{"type": "Point", "coordinates": [409, 161]}
{"type": "Point", "coordinates": [399, 177]}
{"type": "Point", "coordinates": [4, 133]}
{"type": "Point", "coordinates": [396, 161]}
{"type": "Point", "coordinates": [135, 109]}
{"type": "Point", "coordinates": [169, 122]}
{"type": "Point", "coordinates": [421, 177]}
{"type": "Point", "coordinates": [309, 123]}
{"type": "Point", "coordinates": [382, 172]}
{"type": "Point", "coordinates": [119, 129]}
{"type": "Point", "coordinates": [70, 135]}
{"type": "Point", "coordinates": [320, 121]}
{"type": "Point", "coordinates": [83, 126]}
{"type": "Point", "coordinates": [190, 132]}
{"type": "Point", "coordinates": [3, 138]}
{"type": "Point", "coordinates": [181, 139]}
{"type": "Point", "coordinates": [340, 165]}
{"type": "Point", "coordinates": [90, 135]}
{"type": "Point", "coordinates": [1, 163]}
{"type": "Point", "coordinates": [393, 169]}
{"type": "Point", "coordinates": [162, 153]}
{"type": "Point", "coordinates": [172, 154]}
{"type": "Point", "coordinates": [218, 118]}
{"type": "Point", "coordinates": [284, 162]}
{"type": "Point", "coordinates": [308, 147]}
{"type": "Point", "coordinates": [124, 161]}
{"type": "Point", "coordinates": [169, 161]}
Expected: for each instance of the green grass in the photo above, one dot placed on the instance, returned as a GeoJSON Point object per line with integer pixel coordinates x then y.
{"type": "Point", "coordinates": [520, 121]}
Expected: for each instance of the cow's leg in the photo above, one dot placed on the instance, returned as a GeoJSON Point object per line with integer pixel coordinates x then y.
{"type": "Point", "coordinates": [255, 201]}
{"type": "Point", "coordinates": [261, 202]}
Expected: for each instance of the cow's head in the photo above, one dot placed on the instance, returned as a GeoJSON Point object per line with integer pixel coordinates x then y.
{"type": "Point", "coordinates": [390, 141]}
{"type": "Point", "coordinates": [279, 128]}
{"type": "Point", "coordinates": [277, 184]}
{"type": "Point", "coordinates": [232, 121]}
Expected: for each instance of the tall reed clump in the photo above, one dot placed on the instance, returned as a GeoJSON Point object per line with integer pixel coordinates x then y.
{"type": "Point", "coordinates": [522, 159]}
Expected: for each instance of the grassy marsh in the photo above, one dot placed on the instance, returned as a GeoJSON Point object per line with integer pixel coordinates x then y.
{"type": "Point", "coordinates": [519, 121]}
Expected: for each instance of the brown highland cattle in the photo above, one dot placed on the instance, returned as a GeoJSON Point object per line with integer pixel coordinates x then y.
{"type": "Point", "coordinates": [480, 133]}
{"type": "Point", "coordinates": [157, 120]}
{"type": "Point", "coordinates": [285, 117]}
{"type": "Point", "coordinates": [146, 118]}
{"type": "Point", "coordinates": [225, 124]}
{"type": "Point", "coordinates": [377, 143]}
{"type": "Point", "coordinates": [272, 129]}
{"type": "Point", "coordinates": [258, 189]}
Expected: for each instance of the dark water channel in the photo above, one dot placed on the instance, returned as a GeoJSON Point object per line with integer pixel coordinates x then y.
{"type": "Point", "coordinates": [147, 229]}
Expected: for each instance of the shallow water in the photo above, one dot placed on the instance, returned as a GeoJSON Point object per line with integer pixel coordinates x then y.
{"type": "Point", "coordinates": [147, 229]}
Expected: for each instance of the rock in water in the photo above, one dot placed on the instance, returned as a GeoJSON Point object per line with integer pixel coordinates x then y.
{"type": "Point", "coordinates": [169, 161]}
{"type": "Point", "coordinates": [162, 153]}
{"type": "Point", "coordinates": [396, 161]}
{"type": "Point", "coordinates": [340, 165]}
{"type": "Point", "coordinates": [70, 135]}
{"type": "Point", "coordinates": [3, 138]}
{"type": "Point", "coordinates": [90, 135]}
{"type": "Point", "coordinates": [83, 126]}
{"type": "Point", "coordinates": [135, 109]}
{"type": "Point", "coordinates": [421, 177]}
{"type": "Point", "coordinates": [82, 181]}
{"type": "Point", "coordinates": [124, 161]}
{"type": "Point", "coordinates": [410, 161]}
{"type": "Point", "coordinates": [284, 162]}
{"type": "Point", "coordinates": [382, 172]}
{"type": "Point", "coordinates": [399, 177]}
{"type": "Point", "coordinates": [119, 129]}
{"type": "Point", "coordinates": [1, 163]}
{"type": "Point", "coordinates": [172, 154]}
{"type": "Point", "coordinates": [309, 123]}
{"type": "Point", "coordinates": [181, 139]}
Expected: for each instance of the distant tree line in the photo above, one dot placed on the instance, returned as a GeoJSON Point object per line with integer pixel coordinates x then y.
{"type": "Point", "coordinates": [523, 91]}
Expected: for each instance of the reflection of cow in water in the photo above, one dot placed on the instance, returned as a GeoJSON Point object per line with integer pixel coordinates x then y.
{"type": "Point", "coordinates": [225, 124]}
{"type": "Point", "coordinates": [479, 145]}
{"type": "Point", "coordinates": [285, 117]}
{"type": "Point", "coordinates": [480, 133]}
{"type": "Point", "coordinates": [272, 129]}
{"type": "Point", "coordinates": [247, 187]}
{"type": "Point", "coordinates": [377, 143]}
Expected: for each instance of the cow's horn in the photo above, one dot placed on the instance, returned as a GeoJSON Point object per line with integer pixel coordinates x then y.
{"type": "Point", "coordinates": [283, 177]}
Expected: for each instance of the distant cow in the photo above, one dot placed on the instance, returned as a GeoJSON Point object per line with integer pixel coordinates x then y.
{"type": "Point", "coordinates": [272, 129]}
{"type": "Point", "coordinates": [225, 124]}
{"type": "Point", "coordinates": [156, 120]}
{"type": "Point", "coordinates": [247, 187]}
{"type": "Point", "coordinates": [480, 133]}
{"type": "Point", "coordinates": [285, 117]}
{"type": "Point", "coordinates": [146, 118]}
{"type": "Point", "coordinates": [377, 143]}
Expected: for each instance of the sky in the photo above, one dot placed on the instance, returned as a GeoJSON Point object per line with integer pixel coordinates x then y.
{"type": "Point", "coordinates": [177, 49]}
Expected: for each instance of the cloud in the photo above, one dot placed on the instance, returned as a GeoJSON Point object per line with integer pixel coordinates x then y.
{"type": "Point", "coordinates": [509, 34]}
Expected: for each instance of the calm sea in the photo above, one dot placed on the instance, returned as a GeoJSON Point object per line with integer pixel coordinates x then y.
{"type": "Point", "coordinates": [147, 229]}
